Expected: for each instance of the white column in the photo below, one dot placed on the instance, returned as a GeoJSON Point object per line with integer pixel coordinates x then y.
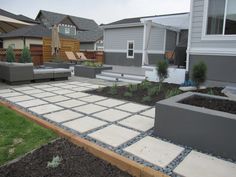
{"type": "Point", "coordinates": [146, 38]}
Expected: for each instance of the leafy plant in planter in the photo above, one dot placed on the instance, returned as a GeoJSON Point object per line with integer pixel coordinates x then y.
{"type": "Point", "coordinates": [25, 56]}
{"type": "Point", "coordinates": [113, 90]}
{"type": "Point", "coordinates": [128, 94]}
{"type": "Point", "coordinates": [145, 85]}
{"type": "Point", "coordinates": [172, 92]}
{"type": "Point", "coordinates": [162, 70]}
{"type": "Point", "coordinates": [199, 73]}
{"type": "Point", "coordinates": [10, 55]}
{"type": "Point", "coordinates": [152, 91]}
{"type": "Point", "coordinates": [146, 99]}
{"type": "Point", "coordinates": [92, 64]}
{"type": "Point", "coordinates": [132, 88]}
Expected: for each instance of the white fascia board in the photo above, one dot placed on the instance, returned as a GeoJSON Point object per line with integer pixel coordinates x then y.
{"type": "Point", "coordinates": [122, 25]}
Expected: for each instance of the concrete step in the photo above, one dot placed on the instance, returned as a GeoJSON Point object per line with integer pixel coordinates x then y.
{"type": "Point", "coordinates": [108, 73]}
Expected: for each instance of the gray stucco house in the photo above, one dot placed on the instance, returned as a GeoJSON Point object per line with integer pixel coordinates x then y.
{"type": "Point", "coordinates": [124, 39]}
{"type": "Point", "coordinates": [212, 39]}
{"type": "Point", "coordinates": [85, 30]}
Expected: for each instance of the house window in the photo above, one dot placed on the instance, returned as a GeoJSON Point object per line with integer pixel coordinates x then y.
{"type": "Point", "coordinates": [221, 17]}
{"type": "Point", "coordinates": [130, 49]}
{"type": "Point", "coordinates": [67, 30]}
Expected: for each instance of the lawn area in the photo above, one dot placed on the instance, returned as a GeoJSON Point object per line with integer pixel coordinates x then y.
{"type": "Point", "coordinates": [19, 135]}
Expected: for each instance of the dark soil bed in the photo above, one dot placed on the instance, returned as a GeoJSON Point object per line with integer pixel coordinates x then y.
{"type": "Point", "coordinates": [76, 162]}
{"type": "Point", "coordinates": [167, 90]}
{"type": "Point", "coordinates": [211, 103]}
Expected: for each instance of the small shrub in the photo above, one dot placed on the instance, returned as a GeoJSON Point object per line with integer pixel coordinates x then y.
{"type": "Point", "coordinates": [210, 92]}
{"type": "Point", "coordinates": [10, 55]}
{"type": "Point", "coordinates": [146, 99]}
{"type": "Point", "coordinates": [128, 94]}
{"type": "Point", "coordinates": [55, 162]}
{"type": "Point", "coordinates": [154, 90]}
{"type": "Point", "coordinates": [162, 70]}
{"type": "Point", "coordinates": [132, 87]}
{"type": "Point", "coordinates": [92, 64]}
{"type": "Point", "coordinates": [172, 92]}
{"type": "Point", "coordinates": [199, 73]}
{"type": "Point", "coordinates": [113, 90]}
{"type": "Point", "coordinates": [145, 85]}
{"type": "Point", "coordinates": [25, 56]}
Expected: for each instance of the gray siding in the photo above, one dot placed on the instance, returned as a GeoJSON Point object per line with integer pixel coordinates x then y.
{"type": "Point", "coordinates": [219, 68]}
{"type": "Point", "coordinates": [120, 59]}
{"type": "Point", "coordinates": [170, 40]}
{"type": "Point", "coordinates": [116, 39]}
{"type": "Point", "coordinates": [87, 46]}
{"type": "Point", "coordinates": [197, 24]}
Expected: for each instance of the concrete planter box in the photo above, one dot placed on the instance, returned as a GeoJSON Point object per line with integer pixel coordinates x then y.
{"type": "Point", "coordinates": [57, 65]}
{"type": "Point", "coordinates": [201, 128]}
{"type": "Point", "coordinates": [90, 72]}
{"type": "Point", "coordinates": [16, 73]}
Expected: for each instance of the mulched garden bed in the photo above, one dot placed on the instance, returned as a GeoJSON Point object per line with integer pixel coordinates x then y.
{"type": "Point", "coordinates": [211, 103]}
{"type": "Point", "coordinates": [147, 93]}
{"type": "Point", "coordinates": [76, 162]}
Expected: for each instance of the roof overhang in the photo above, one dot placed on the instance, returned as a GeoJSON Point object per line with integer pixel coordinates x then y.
{"type": "Point", "coordinates": [125, 25]}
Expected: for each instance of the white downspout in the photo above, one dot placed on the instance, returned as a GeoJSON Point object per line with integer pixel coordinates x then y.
{"type": "Point", "coordinates": [189, 35]}
{"type": "Point", "coordinates": [144, 41]}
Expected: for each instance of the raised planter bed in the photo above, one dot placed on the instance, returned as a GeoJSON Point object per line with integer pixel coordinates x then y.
{"type": "Point", "coordinates": [90, 72]}
{"type": "Point", "coordinates": [57, 65]}
{"type": "Point", "coordinates": [205, 129]}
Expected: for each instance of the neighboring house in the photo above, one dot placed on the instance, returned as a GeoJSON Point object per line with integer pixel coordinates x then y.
{"type": "Point", "coordinates": [85, 30]}
{"type": "Point", "coordinates": [124, 39]}
{"type": "Point", "coordinates": [212, 38]}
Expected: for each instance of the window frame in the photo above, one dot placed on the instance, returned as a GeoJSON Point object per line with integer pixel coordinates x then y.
{"type": "Point", "coordinates": [127, 52]}
{"type": "Point", "coordinates": [222, 36]}
{"type": "Point", "coordinates": [67, 30]}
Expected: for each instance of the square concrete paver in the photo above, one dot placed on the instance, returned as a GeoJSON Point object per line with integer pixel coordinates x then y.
{"type": "Point", "coordinates": [69, 86]}
{"type": "Point", "coordinates": [114, 135]}
{"type": "Point", "coordinates": [95, 86]}
{"type": "Point", "coordinates": [58, 84]}
{"type": "Point", "coordinates": [110, 103]}
{"type": "Point", "coordinates": [23, 88]}
{"type": "Point", "coordinates": [20, 98]}
{"type": "Point", "coordinates": [77, 95]}
{"type": "Point", "coordinates": [5, 91]}
{"type": "Point", "coordinates": [10, 94]}
{"type": "Point", "coordinates": [55, 99]}
{"type": "Point", "coordinates": [84, 124]}
{"type": "Point", "coordinates": [43, 95]}
{"type": "Point", "coordinates": [93, 98]}
{"type": "Point", "coordinates": [155, 151]}
{"type": "Point", "coordinates": [62, 91]}
{"type": "Point", "coordinates": [31, 103]}
{"type": "Point", "coordinates": [50, 89]}
{"type": "Point", "coordinates": [138, 122]}
{"type": "Point", "coordinates": [44, 109]}
{"type": "Point", "coordinates": [111, 115]}
{"type": "Point", "coordinates": [89, 108]}
{"type": "Point", "coordinates": [150, 113]}
{"type": "Point", "coordinates": [34, 91]}
{"type": "Point", "coordinates": [62, 116]}
{"type": "Point", "coordinates": [201, 165]}
{"type": "Point", "coordinates": [80, 89]}
{"type": "Point", "coordinates": [132, 107]}
{"type": "Point", "coordinates": [84, 84]}
{"type": "Point", "coordinates": [42, 86]}
{"type": "Point", "coordinates": [70, 103]}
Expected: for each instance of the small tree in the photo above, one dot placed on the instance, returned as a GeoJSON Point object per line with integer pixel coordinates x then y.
{"type": "Point", "coordinates": [25, 56]}
{"type": "Point", "coordinates": [162, 70]}
{"type": "Point", "coordinates": [10, 55]}
{"type": "Point", "coordinates": [199, 73]}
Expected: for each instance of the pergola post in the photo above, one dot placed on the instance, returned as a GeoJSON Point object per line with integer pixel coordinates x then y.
{"type": "Point", "coordinates": [146, 38]}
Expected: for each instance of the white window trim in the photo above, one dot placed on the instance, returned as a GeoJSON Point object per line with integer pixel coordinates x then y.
{"type": "Point", "coordinates": [204, 26]}
{"type": "Point", "coordinates": [127, 52]}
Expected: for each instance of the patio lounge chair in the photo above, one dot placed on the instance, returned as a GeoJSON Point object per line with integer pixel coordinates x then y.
{"type": "Point", "coordinates": [82, 57]}
{"type": "Point", "coordinates": [71, 56]}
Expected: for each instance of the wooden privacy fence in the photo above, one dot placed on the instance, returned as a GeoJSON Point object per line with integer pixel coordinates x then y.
{"type": "Point", "coordinates": [36, 54]}
{"type": "Point", "coordinates": [72, 45]}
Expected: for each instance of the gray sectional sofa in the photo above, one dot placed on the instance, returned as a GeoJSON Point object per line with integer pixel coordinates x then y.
{"type": "Point", "coordinates": [18, 73]}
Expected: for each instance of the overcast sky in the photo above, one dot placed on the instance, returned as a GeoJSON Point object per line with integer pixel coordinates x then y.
{"type": "Point", "coordinates": [102, 11]}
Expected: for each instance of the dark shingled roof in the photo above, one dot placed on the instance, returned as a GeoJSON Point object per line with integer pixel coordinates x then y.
{"type": "Point", "coordinates": [90, 36]}
{"type": "Point", "coordinates": [34, 31]}
{"type": "Point", "coordinates": [17, 17]}
{"type": "Point", "coordinates": [137, 19]}
{"type": "Point", "coordinates": [81, 23]}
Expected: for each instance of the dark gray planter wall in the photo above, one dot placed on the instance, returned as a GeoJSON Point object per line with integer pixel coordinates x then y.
{"type": "Point", "coordinates": [122, 60]}
{"type": "Point", "coordinates": [90, 72]}
{"type": "Point", "coordinates": [220, 68]}
{"type": "Point", "coordinates": [57, 65]}
{"type": "Point", "coordinates": [204, 129]}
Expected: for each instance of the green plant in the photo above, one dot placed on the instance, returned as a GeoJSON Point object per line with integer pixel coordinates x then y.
{"type": "Point", "coordinates": [113, 90]}
{"type": "Point", "coordinates": [146, 99]}
{"type": "Point", "coordinates": [199, 73]}
{"type": "Point", "coordinates": [92, 64]}
{"type": "Point", "coordinates": [210, 91]}
{"type": "Point", "coordinates": [132, 87]}
{"type": "Point", "coordinates": [55, 162]}
{"type": "Point", "coordinates": [162, 70]}
{"type": "Point", "coordinates": [25, 56]}
{"type": "Point", "coordinates": [154, 90]}
{"type": "Point", "coordinates": [10, 55]}
{"type": "Point", "coordinates": [145, 84]}
{"type": "Point", "coordinates": [172, 92]}
{"type": "Point", "coordinates": [128, 94]}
